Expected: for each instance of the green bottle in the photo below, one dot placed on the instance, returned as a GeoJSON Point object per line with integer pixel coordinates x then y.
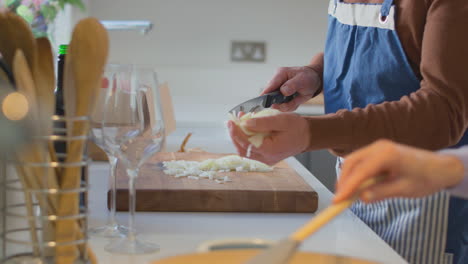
{"type": "Point", "coordinates": [59, 108]}
{"type": "Point", "coordinates": [60, 146]}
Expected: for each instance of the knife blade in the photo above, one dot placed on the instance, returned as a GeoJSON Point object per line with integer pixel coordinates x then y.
{"type": "Point", "coordinates": [264, 101]}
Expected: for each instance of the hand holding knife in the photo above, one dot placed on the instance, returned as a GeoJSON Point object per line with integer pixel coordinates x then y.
{"type": "Point", "coordinates": [264, 101]}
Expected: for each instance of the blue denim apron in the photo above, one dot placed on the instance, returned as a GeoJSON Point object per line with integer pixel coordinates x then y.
{"type": "Point", "coordinates": [365, 64]}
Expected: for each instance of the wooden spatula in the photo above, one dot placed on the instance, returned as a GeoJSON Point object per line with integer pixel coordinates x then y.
{"type": "Point", "coordinates": [25, 81]}
{"type": "Point", "coordinates": [28, 176]}
{"type": "Point", "coordinates": [18, 48]}
{"type": "Point", "coordinates": [85, 64]}
{"type": "Point", "coordinates": [15, 34]}
{"type": "Point", "coordinates": [44, 78]}
{"type": "Point", "coordinates": [281, 252]}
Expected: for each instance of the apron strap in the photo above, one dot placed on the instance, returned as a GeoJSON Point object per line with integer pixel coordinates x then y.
{"type": "Point", "coordinates": [335, 5]}
{"type": "Point", "coordinates": [385, 10]}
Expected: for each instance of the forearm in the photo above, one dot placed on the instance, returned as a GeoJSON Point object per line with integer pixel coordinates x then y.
{"type": "Point", "coordinates": [424, 120]}
{"type": "Point", "coordinates": [316, 64]}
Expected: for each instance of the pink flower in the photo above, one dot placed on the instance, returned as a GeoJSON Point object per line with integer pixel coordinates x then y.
{"type": "Point", "coordinates": [26, 2]}
{"type": "Point", "coordinates": [36, 4]}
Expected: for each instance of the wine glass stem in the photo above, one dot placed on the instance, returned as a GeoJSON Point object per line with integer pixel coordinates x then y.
{"type": "Point", "coordinates": [113, 183]}
{"type": "Point", "coordinates": [132, 174]}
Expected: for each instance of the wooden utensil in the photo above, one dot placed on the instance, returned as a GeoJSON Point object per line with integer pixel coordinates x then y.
{"type": "Point", "coordinates": [32, 178]}
{"type": "Point", "coordinates": [28, 176]}
{"type": "Point", "coordinates": [285, 249]}
{"type": "Point", "coordinates": [25, 80]}
{"type": "Point", "coordinates": [186, 139]}
{"type": "Point", "coordinates": [15, 34]}
{"type": "Point", "coordinates": [85, 64]}
{"type": "Point", "coordinates": [87, 55]}
{"type": "Point", "coordinates": [19, 36]}
{"type": "Point", "coordinates": [44, 78]}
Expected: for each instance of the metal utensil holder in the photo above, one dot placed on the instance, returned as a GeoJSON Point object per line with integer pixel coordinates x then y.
{"type": "Point", "coordinates": [29, 221]}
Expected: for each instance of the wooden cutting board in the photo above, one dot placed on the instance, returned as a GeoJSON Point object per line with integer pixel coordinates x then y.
{"type": "Point", "coordinates": [281, 190]}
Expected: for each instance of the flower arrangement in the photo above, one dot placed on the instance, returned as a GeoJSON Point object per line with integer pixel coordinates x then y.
{"type": "Point", "coordinates": [38, 13]}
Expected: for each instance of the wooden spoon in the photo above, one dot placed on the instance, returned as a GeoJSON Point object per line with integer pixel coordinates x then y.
{"type": "Point", "coordinates": [15, 34]}
{"type": "Point", "coordinates": [44, 77]}
{"type": "Point", "coordinates": [88, 53]}
{"type": "Point", "coordinates": [27, 176]}
{"type": "Point", "coordinates": [87, 57]}
{"type": "Point", "coordinates": [36, 152]}
{"type": "Point", "coordinates": [24, 80]}
{"type": "Point", "coordinates": [285, 249]}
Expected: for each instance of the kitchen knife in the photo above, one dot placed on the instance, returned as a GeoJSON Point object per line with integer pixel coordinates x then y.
{"type": "Point", "coordinates": [265, 101]}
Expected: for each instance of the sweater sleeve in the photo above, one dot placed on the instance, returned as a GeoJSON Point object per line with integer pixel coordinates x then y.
{"type": "Point", "coordinates": [433, 117]}
{"type": "Point", "coordinates": [461, 190]}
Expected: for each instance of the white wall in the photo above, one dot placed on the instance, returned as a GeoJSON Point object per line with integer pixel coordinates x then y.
{"type": "Point", "coordinates": [64, 22]}
{"type": "Point", "coordinates": [190, 45]}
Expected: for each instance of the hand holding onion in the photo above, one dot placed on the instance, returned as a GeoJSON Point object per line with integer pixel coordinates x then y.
{"type": "Point", "coordinates": [274, 135]}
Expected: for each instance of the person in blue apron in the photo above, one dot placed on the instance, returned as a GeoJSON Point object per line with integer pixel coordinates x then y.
{"type": "Point", "coordinates": [421, 230]}
{"type": "Point", "coordinates": [365, 65]}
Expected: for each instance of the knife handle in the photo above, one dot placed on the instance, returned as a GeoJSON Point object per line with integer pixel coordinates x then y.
{"type": "Point", "coordinates": [278, 98]}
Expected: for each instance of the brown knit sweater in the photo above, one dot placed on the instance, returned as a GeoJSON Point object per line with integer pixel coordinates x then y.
{"type": "Point", "coordinates": [434, 35]}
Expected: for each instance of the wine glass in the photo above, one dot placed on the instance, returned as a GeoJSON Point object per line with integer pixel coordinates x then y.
{"type": "Point", "coordinates": [134, 128]}
{"type": "Point", "coordinates": [111, 229]}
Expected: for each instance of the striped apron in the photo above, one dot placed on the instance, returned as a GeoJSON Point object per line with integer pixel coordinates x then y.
{"type": "Point", "coordinates": [365, 64]}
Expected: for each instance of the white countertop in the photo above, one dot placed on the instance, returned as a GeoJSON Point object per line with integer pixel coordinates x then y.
{"type": "Point", "coordinates": [178, 233]}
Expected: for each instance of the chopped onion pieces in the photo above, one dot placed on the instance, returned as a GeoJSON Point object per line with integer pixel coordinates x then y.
{"type": "Point", "coordinates": [208, 169]}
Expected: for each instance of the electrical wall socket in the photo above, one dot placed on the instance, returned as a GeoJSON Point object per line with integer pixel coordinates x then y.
{"type": "Point", "coordinates": [248, 51]}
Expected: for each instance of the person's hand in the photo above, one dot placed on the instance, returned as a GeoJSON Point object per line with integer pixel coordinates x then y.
{"type": "Point", "coordinates": [289, 80]}
{"type": "Point", "coordinates": [288, 135]}
{"type": "Point", "coordinates": [407, 172]}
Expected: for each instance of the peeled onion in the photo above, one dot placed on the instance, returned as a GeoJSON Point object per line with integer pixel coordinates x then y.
{"type": "Point", "coordinates": [256, 139]}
